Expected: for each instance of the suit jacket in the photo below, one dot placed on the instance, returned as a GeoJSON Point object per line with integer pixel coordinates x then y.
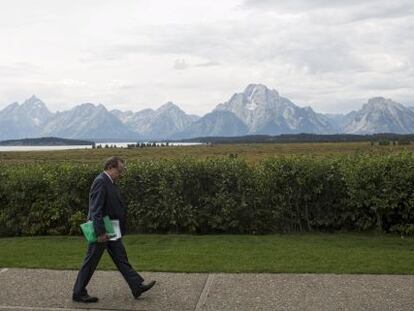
{"type": "Point", "coordinates": [105, 199]}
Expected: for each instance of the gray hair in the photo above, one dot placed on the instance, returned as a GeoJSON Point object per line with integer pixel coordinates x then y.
{"type": "Point", "coordinates": [112, 162]}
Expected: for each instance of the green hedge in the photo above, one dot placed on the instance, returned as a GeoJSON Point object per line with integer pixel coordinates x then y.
{"type": "Point", "coordinates": [283, 194]}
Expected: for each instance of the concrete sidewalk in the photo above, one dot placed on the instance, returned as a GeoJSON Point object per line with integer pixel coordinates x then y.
{"type": "Point", "coordinates": [39, 289]}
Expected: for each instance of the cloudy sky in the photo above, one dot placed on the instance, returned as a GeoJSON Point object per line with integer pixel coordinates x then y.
{"type": "Point", "coordinates": [135, 54]}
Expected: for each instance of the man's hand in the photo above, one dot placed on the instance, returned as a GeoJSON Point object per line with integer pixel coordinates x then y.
{"type": "Point", "coordinates": [103, 238]}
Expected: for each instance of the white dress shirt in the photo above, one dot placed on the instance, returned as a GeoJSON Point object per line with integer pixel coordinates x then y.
{"type": "Point", "coordinates": [109, 176]}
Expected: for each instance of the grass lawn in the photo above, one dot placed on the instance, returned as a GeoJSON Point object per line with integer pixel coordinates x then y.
{"type": "Point", "coordinates": [291, 253]}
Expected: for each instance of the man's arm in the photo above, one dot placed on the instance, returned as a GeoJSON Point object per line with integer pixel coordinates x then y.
{"type": "Point", "coordinates": [96, 205]}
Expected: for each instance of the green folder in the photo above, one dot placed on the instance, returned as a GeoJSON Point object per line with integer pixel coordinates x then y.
{"type": "Point", "coordinates": [89, 232]}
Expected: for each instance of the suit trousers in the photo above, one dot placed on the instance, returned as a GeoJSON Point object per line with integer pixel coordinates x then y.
{"type": "Point", "coordinates": [116, 250]}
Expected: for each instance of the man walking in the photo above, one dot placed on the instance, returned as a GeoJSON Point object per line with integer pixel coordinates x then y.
{"type": "Point", "coordinates": [105, 199]}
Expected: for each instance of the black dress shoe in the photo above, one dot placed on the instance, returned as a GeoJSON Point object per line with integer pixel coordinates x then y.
{"type": "Point", "coordinates": [85, 299]}
{"type": "Point", "coordinates": [143, 288]}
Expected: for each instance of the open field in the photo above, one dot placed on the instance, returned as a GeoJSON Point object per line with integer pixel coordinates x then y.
{"type": "Point", "coordinates": [291, 253]}
{"type": "Point", "coordinates": [250, 152]}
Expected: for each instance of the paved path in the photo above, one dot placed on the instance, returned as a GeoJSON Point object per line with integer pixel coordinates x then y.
{"type": "Point", "coordinates": [39, 289]}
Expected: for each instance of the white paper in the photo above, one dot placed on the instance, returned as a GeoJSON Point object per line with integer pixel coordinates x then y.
{"type": "Point", "coordinates": [117, 229]}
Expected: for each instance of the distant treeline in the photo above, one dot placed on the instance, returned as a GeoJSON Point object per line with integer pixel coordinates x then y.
{"type": "Point", "coordinates": [305, 138]}
{"type": "Point", "coordinates": [45, 141]}
{"type": "Point", "coordinates": [133, 145]}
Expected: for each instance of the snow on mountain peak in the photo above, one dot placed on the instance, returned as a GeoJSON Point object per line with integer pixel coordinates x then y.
{"type": "Point", "coordinates": [253, 88]}
{"type": "Point", "coordinates": [33, 102]}
{"type": "Point", "coordinates": [381, 115]}
{"type": "Point", "coordinates": [381, 104]}
{"type": "Point", "coordinates": [256, 110]}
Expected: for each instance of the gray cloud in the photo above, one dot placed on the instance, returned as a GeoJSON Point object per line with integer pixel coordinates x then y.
{"type": "Point", "coordinates": [336, 11]}
{"type": "Point", "coordinates": [180, 64]}
{"type": "Point", "coordinates": [324, 53]}
{"type": "Point", "coordinates": [19, 68]}
{"type": "Point", "coordinates": [306, 5]}
{"type": "Point", "coordinates": [301, 43]}
{"type": "Point", "coordinates": [208, 64]}
{"type": "Point", "coordinates": [303, 4]}
{"type": "Point", "coordinates": [311, 49]}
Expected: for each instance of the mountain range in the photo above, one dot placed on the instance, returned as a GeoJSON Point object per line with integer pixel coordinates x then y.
{"type": "Point", "coordinates": [257, 110]}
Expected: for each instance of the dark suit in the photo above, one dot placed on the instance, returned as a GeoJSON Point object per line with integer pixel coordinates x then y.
{"type": "Point", "coordinates": [105, 199]}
